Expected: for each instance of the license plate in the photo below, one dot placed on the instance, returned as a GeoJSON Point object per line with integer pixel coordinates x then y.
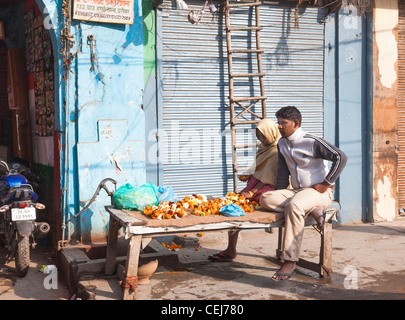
{"type": "Point", "coordinates": [18, 214]}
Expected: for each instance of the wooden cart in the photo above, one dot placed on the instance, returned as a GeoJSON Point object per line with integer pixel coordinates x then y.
{"type": "Point", "coordinates": [136, 228]}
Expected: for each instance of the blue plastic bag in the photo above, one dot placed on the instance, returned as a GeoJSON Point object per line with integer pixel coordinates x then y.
{"type": "Point", "coordinates": [166, 194]}
{"type": "Point", "coordinates": [135, 198]}
{"type": "Point", "coordinates": [232, 210]}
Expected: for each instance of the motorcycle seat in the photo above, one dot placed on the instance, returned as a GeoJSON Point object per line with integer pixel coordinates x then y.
{"type": "Point", "coordinates": [21, 193]}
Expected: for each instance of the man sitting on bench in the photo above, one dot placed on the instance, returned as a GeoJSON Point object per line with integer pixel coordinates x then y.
{"type": "Point", "coordinates": [301, 163]}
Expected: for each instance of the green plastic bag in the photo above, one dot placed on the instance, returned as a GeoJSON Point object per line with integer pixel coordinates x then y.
{"type": "Point", "coordinates": [135, 198]}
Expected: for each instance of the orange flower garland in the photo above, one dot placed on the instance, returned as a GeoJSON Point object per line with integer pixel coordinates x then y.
{"type": "Point", "coordinates": [198, 205]}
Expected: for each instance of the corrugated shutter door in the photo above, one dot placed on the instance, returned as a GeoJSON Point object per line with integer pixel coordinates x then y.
{"type": "Point", "coordinates": [401, 106]}
{"type": "Point", "coordinates": [196, 141]}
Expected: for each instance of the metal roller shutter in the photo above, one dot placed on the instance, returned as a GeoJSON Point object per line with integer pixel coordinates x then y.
{"type": "Point", "coordinates": [195, 107]}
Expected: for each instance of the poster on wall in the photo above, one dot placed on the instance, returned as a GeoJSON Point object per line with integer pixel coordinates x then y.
{"type": "Point", "coordinates": [2, 36]}
{"type": "Point", "coordinates": [110, 11]}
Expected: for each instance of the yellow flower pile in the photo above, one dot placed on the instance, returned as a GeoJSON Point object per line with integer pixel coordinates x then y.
{"type": "Point", "coordinates": [198, 205]}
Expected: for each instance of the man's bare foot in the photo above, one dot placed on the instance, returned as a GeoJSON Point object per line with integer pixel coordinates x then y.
{"type": "Point", "coordinates": [285, 272]}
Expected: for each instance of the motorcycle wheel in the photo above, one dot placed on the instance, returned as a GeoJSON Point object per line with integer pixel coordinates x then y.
{"type": "Point", "coordinates": [4, 254]}
{"type": "Point", "coordinates": [22, 257]}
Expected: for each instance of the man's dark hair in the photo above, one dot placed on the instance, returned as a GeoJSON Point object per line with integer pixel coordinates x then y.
{"type": "Point", "coordinates": [290, 113]}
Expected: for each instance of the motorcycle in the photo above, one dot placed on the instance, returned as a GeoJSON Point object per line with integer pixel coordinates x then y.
{"type": "Point", "coordinates": [18, 212]}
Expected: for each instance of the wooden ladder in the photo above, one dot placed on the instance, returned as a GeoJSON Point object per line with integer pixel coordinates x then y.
{"type": "Point", "coordinates": [237, 109]}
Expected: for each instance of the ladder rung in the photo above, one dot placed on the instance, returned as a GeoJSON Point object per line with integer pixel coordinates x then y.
{"type": "Point", "coordinates": [244, 4]}
{"type": "Point", "coordinates": [249, 98]}
{"type": "Point", "coordinates": [246, 51]}
{"type": "Point", "coordinates": [241, 75]}
{"type": "Point", "coordinates": [245, 122]}
{"type": "Point", "coordinates": [244, 28]}
{"type": "Point", "coordinates": [247, 145]}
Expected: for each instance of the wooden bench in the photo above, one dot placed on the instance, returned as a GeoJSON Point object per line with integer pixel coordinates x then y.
{"type": "Point", "coordinates": [136, 228]}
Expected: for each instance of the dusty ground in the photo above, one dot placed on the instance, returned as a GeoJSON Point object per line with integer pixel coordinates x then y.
{"type": "Point", "coordinates": [33, 285]}
{"type": "Point", "coordinates": [368, 263]}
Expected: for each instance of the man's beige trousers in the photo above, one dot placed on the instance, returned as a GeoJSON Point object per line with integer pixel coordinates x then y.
{"type": "Point", "coordinates": [295, 204]}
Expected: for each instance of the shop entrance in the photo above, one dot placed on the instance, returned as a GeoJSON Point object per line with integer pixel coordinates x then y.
{"type": "Point", "coordinates": [27, 100]}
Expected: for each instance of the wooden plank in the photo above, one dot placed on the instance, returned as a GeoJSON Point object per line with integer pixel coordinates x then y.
{"type": "Point", "coordinates": [249, 98]}
{"type": "Point", "coordinates": [244, 122]}
{"type": "Point", "coordinates": [123, 218]}
{"type": "Point", "coordinates": [280, 242]}
{"type": "Point", "coordinates": [111, 256]}
{"type": "Point", "coordinates": [131, 268]}
{"type": "Point", "coordinates": [241, 75]}
{"type": "Point", "coordinates": [145, 230]}
{"type": "Point", "coordinates": [246, 51]}
{"type": "Point", "coordinates": [195, 228]}
{"type": "Point", "coordinates": [316, 267]}
{"type": "Point", "coordinates": [325, 255]}
{"type": "Point", "coordinates": [245, 29]}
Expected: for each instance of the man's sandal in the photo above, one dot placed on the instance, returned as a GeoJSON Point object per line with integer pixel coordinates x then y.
{"type": "Point", "coordinates": [221, 257]}
{"type": "Point", "coordinates": [287, 275]}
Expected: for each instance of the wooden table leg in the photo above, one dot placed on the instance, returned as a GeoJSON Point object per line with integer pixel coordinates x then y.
{"type": "Point", "coordinates": [131, 269]}
{"type": "Point", "coordinates": [111, 256]}
{"type": "Point", "coordinates": [280, 242]}
{"type": "Point", "coordinates": [325, 255]}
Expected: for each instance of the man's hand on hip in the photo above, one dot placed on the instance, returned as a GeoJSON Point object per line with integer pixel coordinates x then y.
{"type": "Point", "coordinates": [321, 187]}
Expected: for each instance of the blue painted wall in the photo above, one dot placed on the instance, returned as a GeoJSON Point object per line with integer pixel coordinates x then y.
{"type": "Point", "coordinates": [348, 108]}
{"type": "Point", "coordinates": [106, 119]}
{"type": "Point", "coordinates": [100, 117]}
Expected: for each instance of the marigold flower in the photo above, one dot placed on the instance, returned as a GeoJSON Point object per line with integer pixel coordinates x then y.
{"type": "Point", "coordinates": [198, 205]}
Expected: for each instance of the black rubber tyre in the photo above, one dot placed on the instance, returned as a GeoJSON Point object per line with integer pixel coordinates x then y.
{"type": "Point", "coordinates": [22, 257]}
{"type": "Point", "coordinates": [4, 253]}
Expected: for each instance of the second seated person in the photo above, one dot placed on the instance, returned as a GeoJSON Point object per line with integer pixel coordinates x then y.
{"type": "Point", "coordinates": [261, 178]}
